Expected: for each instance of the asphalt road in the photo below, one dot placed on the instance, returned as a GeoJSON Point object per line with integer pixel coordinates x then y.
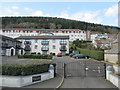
{"type": "Point", "coordinates": [80, 67]}
{"type": "Point", "coordinates": [77, 77]}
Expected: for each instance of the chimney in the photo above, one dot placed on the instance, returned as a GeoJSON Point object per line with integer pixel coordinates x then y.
{"type": "Point", "coordinates": [88, 35]}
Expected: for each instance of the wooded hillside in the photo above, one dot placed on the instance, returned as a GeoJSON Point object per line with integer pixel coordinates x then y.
{"type": "Point", "coordinates": [54, 23]}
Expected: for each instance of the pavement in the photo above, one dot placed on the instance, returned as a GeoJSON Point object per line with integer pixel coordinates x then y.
{"type": "Point", "coordinates": [52, 83]}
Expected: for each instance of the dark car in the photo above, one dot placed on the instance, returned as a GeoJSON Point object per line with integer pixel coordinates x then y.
{"type": "Point", "coordinates": [71, 54]}
{"type": "Point", "coordinates": [77, 56]}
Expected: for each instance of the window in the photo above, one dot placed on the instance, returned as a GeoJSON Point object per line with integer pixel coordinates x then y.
{"type": "Point", "coordinates": [36, 46]}
{"type": "Point", "coordinates": [53, 40]}
{"type": "Point", "coordinates": [69, 31]}
{"type": "Point", "coordinates": [73, 31]}
{"type": "Point", "coordinates": [62, 31]}
{"type": "Point", "coordinates": [63, 41]}
{"type": "Point", "coordinates": [45, 47]}
{"type": "Point", "coordinates": [45, 40]}
{"type": "Point", "coordinates": [36, 41]}
{"type": "Point", "coordinates": [53, 46]}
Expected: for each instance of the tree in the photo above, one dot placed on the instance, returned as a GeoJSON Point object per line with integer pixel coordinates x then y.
{"type": "Point", "coordinates": [77, 43]}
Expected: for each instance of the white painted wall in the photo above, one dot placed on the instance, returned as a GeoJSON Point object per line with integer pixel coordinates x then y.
{"type": "Point", "coordinates": [113, 78]}
{"type": "Point", "coordinates": [73, 36]}
{"type": "Point", "coordinates": [56, 50]}
{"type": "Point", "coordinates": [20, 81]}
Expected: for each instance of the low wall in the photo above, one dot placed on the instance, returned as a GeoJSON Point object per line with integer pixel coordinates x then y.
{"type": "Point", "coordinates": [20, 81]}
{"type": "Point", "coordinates": [113, 58]}
{"type": "Point", "coordinates": [113, 78]}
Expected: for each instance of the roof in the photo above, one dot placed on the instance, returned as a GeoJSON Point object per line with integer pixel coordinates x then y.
{"type": "Point", "coordinates": [44, 37]}
{"type": "Point", "coordinates": [113, 50]}
{"type": "Point", "coordinates": [44, 29]}
{"type": "Point", "coordinates": [104, 41]}
{"type": "Point", "coordinates": [8, 38]}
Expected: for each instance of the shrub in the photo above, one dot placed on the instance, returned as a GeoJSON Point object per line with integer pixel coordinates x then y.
{"type": "Point", "coordinates": [35, 56]}
{"type": "Point", "coordinates": [26, 69]}
{"type": "Point", "coordinates": [96, 54]}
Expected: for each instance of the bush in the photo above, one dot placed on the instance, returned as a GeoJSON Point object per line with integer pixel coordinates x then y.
{"type": "Point", "coordinates": [25, 69]}
{"type": "Point", "coordinates": [35, 56]}
{"type": "Point", "coordinates": [96, 54]}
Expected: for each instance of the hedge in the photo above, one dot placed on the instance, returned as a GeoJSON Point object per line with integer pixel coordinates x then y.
{"type": "Point", "coordinates": [96, 54]}
{"type": "Point", "coordinates": [25, 69]}
{"type": "Point", "coordinates": [35, 56]}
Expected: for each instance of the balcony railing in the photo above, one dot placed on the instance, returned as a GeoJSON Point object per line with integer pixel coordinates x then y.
{"type": "Point", "coordinates": [44, 48]}
{"type": "Point", "coordinates": [27, 48]}
{"type": "Point", "coordinates": [18, 47]}
{"type": "Point", "coordinates": [4, 45]}
{"type": "Point", "coordinates": [63, 49]}
{"type": "Point", "coordinates": [45, 42]}
{"type": "Point", "coordinates": [63, 43]}
{"type": "Point", "coordinates": [27, 42]}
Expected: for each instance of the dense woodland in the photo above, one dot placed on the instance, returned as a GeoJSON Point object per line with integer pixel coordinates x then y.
{"type": "Point", "coordinates": [54, 23]}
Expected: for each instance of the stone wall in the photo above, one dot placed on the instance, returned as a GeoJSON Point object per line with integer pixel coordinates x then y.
{"type": "Point", "coordinates": [113, 58]}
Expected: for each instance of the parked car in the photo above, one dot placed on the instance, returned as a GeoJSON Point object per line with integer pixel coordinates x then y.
{"type": "Point", "coordinates": [77, 56]}
{"type": "Point", "coordinates": [59, 54]}
{"type": "Point", "coordinates": [71, 54]}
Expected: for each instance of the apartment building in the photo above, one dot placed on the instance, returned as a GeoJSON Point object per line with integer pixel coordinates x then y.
{"type": "Point", "coordinates": [73, 33]}
{"type": "Point", "coordinates": [45, 44]}
{"type": "Point", "coordinates": [10, 46]}
{"type": "Point", "coordinates": [94, 36]}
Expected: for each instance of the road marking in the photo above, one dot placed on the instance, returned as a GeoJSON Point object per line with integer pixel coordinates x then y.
{"type": "Point", "coordinates": [98, 69]}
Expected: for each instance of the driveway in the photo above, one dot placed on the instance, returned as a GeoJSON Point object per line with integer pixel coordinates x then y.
{"type": "Point", "coordinates": [76, 77]}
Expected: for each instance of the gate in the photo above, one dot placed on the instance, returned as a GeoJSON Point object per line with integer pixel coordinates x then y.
{"type": "Point", "coordinates": [85, 68]}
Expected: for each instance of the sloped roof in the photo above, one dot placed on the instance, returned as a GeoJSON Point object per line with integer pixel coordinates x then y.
{"type": "Point", "coordinates": [44, 37]}
{"type": "Point", "coordinates": [114, 50]}
{"type": "Point", "coordinates": [104, 41]}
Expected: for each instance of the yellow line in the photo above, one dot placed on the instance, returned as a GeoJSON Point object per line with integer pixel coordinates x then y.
{"type": "Point", "coordinates": [62, 81]}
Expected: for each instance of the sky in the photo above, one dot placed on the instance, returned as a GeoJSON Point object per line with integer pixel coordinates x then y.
{"type": "Point", "coordinates": [105, 13]}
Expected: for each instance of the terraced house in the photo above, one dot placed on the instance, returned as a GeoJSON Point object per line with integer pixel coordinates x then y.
{"type": "Point", "coordinates": [73, 33]}
{"type": "Point", "coordinates": [10, 46]}
{"type": "Point", "coordinates": [45, 44]}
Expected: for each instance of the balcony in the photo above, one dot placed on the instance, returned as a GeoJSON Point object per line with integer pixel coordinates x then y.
{"type": "Point", "coordinates": [63, 48]}
{"type": "Point", "coordinates": [44, 48]}
{"type": "Point", "coordinates": [18, 47]}
{"type": "Point", "coordinates": [27, 42]}
{"type": "Point", "coordinates": [27, 48]}
{"type": "Point", "coordinates": [45, 42]}
{"type": "Point", "coordinates": [4, 45]}
{"type": "Point", "coordinates": [63, 43]}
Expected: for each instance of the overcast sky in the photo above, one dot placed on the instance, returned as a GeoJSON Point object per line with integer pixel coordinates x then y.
{"type": "Point", "coordinates": [95, 12]}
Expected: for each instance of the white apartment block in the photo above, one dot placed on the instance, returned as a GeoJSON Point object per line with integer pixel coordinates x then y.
{"type": "Point", "coordinates": [45, 44]}
{"type": "Point", "coordinates": [73, 33]}
{"type": "Point", "coordinates": [98, 36]}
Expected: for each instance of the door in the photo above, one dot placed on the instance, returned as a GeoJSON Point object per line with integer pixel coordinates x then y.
{"type": "Point", "coordinates": [12, 52]}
